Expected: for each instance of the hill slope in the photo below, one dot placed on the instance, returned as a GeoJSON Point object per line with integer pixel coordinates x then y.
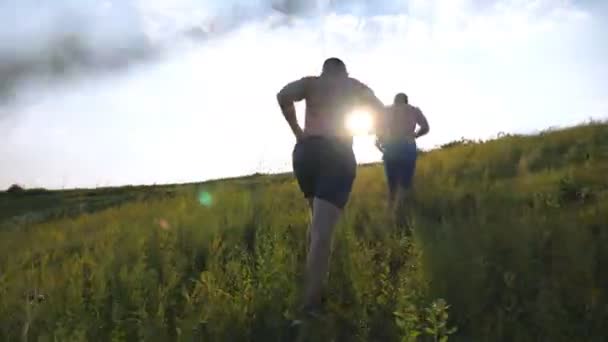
{"type": "Point", "coordinates": [510, 233]}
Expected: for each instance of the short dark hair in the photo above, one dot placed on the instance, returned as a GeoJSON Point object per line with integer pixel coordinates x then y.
{"type": "Point", "coordinates": [334, 65]}
{"type": "Point", "coordinates": [401, 97]}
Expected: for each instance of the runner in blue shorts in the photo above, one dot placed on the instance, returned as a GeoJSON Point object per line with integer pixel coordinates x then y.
{"type": "Point", "coordinates": [397, 142]}
{"type": "Point", "coordinates": [323, 160]}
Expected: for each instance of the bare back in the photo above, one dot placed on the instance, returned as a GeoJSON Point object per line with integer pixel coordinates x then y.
{"type": "Point", "coordinates": [329, 99]}
{"type": "Point", "coordinates": [402, 121]}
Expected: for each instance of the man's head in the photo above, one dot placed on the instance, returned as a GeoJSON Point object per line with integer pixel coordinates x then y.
{"type": "Point", "coordinates": [401, 98]}
{"type": "Point", "coordinates": [334, 66]}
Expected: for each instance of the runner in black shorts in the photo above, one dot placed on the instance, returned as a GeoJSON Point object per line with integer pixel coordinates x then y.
{"type": "Point", "coordinates": [325, 168]}
{"type": "Point", "coordinates": [323, 160]}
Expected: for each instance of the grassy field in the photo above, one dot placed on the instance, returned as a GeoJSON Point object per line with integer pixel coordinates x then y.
{"type": "Point", "coordinates": [509, 240]}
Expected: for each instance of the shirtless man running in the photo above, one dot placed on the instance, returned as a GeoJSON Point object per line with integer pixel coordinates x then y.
{"type": "Point", "coordinates": [397, 142]}
{"type": "Point", "coordinates": [323, 159]}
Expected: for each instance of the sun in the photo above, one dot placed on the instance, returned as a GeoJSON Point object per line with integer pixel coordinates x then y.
{"type": "Point", "coordinates": [359, 123]}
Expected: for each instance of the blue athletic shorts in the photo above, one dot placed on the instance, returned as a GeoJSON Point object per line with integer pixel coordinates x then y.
{"type": "Point", "coordinates": [399, 164]}
{"type": "Point", "coordinates": [325, 168]}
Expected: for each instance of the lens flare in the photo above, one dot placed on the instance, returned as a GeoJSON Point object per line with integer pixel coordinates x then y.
{"type": "Point", "coordinates": [359, 123]}
{"type": "Point", "coordinates": [205, 199]}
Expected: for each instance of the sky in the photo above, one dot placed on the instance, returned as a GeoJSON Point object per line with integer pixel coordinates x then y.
{"type": "Point", "coordinates": [105, 93]}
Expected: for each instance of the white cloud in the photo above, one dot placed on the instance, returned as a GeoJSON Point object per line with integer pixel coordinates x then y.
{"type": "Point", "coordinates": [206, 109]}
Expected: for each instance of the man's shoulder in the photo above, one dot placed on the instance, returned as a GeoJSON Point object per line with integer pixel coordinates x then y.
{"type": "Point", "coordinates": [299, 84]}
{"type": "Point", "coordinates": [360, 86]}
{"type": "Point", "coordinates": [308, 78]}
{"type": "Point", "coordinates": [417, 111]}
{"type": "Point", "coordinates": [414, 108]}
{"type": "Point", "coordinates": [307, 82]}
{"type": "Point", "coordinates": [303, 80]}
{"type": "Point", "coordinates": [357, 82]}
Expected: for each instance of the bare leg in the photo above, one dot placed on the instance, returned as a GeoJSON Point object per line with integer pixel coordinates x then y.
{"type": "Point", "coordinates": [392, 183]}
{"type": "Point", "coordinates": [311, 207]}
{"type": "Point", "coordinates": [325, 218]}
{"type": "Point", "coordinates": [392, 197]}
{"type": "Point", "coordinates": [402, 209]}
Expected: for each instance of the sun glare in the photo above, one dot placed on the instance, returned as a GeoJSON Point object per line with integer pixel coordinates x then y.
{"type": "Point", "coordinates": [359, 123]}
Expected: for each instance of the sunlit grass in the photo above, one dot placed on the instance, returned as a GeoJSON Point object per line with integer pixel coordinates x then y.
{"type": "Point", "coordinates": [512, 234]}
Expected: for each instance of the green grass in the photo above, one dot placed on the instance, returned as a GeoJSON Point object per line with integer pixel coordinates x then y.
{"type": "Point", "coordinates": [509, 244]}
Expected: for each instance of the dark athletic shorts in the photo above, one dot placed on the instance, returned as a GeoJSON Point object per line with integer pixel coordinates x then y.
{"type": "Point", "coordinates": [325, 168]}
{"type": "Point", "coordinates": [400, 165]}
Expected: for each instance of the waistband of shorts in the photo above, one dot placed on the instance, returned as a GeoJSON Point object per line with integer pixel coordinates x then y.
{"type": "Point", "coordinates": [345, 141]}
{"type": "Point", "coordinates": [400, 142]}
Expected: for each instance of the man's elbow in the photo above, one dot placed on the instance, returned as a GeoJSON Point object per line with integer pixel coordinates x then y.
{"type": "Point", "coordinates": [283, 100]}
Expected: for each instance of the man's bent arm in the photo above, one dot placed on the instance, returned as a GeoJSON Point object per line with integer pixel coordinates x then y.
{"type": "Point", "coordinates": [289, 112]}
{"type": "Point", "coordinates": [292, 92]}
{"type": "Point", "coordinates": [424, 124]}
{"type": "Point", "coordinates": [379, 144]}
{"type": "Point", "coordinates": [378, 110]}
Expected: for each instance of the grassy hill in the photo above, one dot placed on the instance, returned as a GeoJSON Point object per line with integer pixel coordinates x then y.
{"type": "Point", "coordinates": [509, 241]}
